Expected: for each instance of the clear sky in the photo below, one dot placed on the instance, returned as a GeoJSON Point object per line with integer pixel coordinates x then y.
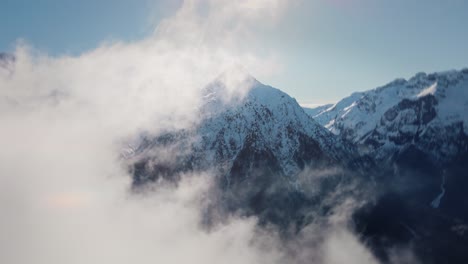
{"type": "Point", "coordinates": [328, 48]}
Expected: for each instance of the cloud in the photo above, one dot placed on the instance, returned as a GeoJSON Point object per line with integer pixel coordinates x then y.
{"type": "Point", "coordinates": [64, 190]}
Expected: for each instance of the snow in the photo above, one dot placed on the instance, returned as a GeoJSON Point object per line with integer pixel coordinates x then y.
{"type": "Point", "coordinates": [315, 110]}
{"type": "Point", "coordinates": [429, 90]}
{"type": "Point", "coordinates": [436, 202]}
{"type": "Point", "coordinates": [330, 124]}
{"type": "Point", "coordinates": [455, 106]}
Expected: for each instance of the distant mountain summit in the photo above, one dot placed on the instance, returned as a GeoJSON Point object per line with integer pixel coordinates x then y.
{"type": "Point", "coordinates": [429, 111]}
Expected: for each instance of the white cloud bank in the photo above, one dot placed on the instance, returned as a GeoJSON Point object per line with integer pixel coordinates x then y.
{"type": "Point", "coordinates": [64, 193]}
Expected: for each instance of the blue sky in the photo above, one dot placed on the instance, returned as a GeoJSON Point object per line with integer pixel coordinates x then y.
{"type": "Point", "coordinates": [70, 26]}
{"type": "Point", "coordinates": [328, 48]}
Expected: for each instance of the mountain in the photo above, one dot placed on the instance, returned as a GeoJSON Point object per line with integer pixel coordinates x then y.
{"type": "Point", "coordinates": [429, 111]}
{"type": "Point", "coordinates": [417, 131]}
{"type": "Point", "coordinates": [258, 141]}
{"type": "Point", "coordinates": [263, 120]}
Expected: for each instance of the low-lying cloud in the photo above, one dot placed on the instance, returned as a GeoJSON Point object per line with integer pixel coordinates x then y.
{"type": "Point", "coordinates": [64, 190]}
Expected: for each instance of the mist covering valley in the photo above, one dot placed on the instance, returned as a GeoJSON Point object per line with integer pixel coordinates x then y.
{"type": "Point", "coordinates": [162, 151]}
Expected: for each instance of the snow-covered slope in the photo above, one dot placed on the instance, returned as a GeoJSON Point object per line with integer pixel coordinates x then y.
{"type": "Point", "coordinates": [316, 110]}
{"type": "Point", "coordinates": [428, 110]}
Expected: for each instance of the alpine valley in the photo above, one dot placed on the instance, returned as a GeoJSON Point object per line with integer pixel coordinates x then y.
{"type": "Point", "coordinates": [400, 152]}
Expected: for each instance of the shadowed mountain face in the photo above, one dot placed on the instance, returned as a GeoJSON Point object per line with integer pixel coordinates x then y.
{"type": "Point", "coordinates": [271, 159]}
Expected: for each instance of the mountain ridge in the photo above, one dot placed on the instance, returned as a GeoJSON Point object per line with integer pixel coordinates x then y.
{"type": "Point", "coordinates": [402, 111]}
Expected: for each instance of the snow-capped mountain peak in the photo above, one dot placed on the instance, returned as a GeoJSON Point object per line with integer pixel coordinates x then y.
{"type": "Point", "coordinates": [271, 116]}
